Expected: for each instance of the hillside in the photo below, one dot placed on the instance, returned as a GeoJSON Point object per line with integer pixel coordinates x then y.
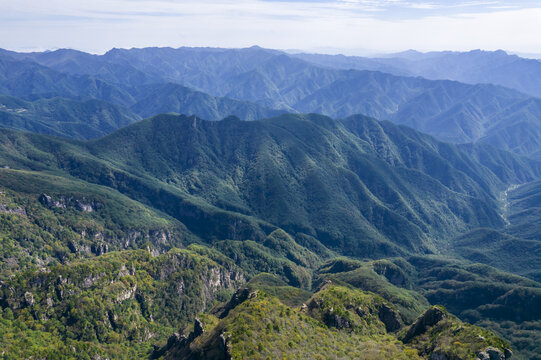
{"type": "Point", "coordinates": [214, 83]}
{"type": "Point", "coordinates": [336, 322]}
{"type": "Point", "coordinates": [112, 245]}
{"type": "Point", "coordinates": [327, 179]}
{"type": "Point", "coordinates": [115, 305]}
{"type": "Point", "coordinates": [83, 106]}
{"type": "Point", "coordinates": [157, 99]}
{"type": "Point", "coordinates": [479, 294]}
{"type": "Point", "coordinates": [64, 117]}
{"type": "Point", "coordinates": [49, 219]}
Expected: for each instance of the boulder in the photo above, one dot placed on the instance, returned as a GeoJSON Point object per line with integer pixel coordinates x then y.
{"type": "Point", "coordinates": [483, 356]}
{"type": "Point", "coordinates": [492, 353]}
{"type": "Point", "coordinates": [495, 353]}
{"type": "Point", "coordinates": [46, 200]}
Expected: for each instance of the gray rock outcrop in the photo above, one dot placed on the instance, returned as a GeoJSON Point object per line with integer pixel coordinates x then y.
{"type": "Point", "coordinates": [389, 317]}
{"type": "Point", "coordinates": [430, 318]}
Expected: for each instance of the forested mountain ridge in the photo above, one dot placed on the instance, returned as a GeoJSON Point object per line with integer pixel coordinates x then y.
{"type": "Point", "coordinates": [294, 235]}
{"type": "Point", "coordinates": [386, 177]}
{"type": "Point", "coordinates": [41, 99]}
{"type": "Point", "coordinates": [142, 79]}
{"type": "Point", "coordinates": [282, 196]}
{"type": "Point", "coordinates": [470, 67]}
{"type": "Point", "coordinates": [64, 117]}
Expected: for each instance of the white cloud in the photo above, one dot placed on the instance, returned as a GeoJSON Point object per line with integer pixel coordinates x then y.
{"type": "Point", "coordinates": [347, 25]}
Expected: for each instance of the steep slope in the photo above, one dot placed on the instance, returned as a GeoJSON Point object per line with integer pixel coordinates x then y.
{"type": "Point", "coordinates": [451, 111]}
{"type": "Point", "coordinates": [516, 128]}
{"type": "Point", "coordinates": [506, 303]}
{"type": "Point", "coordinates": [474, 67]}
{"type": "Point", "coordinates": [64, 117]}
{"type": "Point", "coordinates": [502, 302]}
{"type": "Point", "coordinates": [284, 196]}
{"type": "Point", "coordinates": [205, 69]}
{"type": "Point", "coordinates": [276, 164]}
{"type": "Point", "coordinates": [47, 219]}
{"type": "Point", "coordinates": [501, 250]}
{"type": "Point", "coordinates": [113, 306]}
{"type": "Point", "coordinates": [523, 211]}
{"type": "Point", "coordinates": [358, 186]}
{"type": "Point", "coordinates": [156, 99]}
{"type": "Point", "coordinates": [146, 95]}
{"type": "Point", "coordinates": [280, 82]}
{"type": "Point", "coordinates": [75, 62]}
{"type": "Point", "coordinates": [448, 110]}
{"type": "Point", "coordinates": [337, 322]}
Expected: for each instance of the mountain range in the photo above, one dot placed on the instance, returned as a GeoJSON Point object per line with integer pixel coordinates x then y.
{"type": "Point", "coordinates": [248, 203]}
{"type": "Point", "coordinates": [250, 83]}
{"type": "Point", "coordinates": [472, 67]}
{"type": "Point", "coordinates": [282, 196]}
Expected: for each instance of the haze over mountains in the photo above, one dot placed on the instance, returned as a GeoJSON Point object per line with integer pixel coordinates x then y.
{"type": "Point", "coordinates": [250, 82]}
{"type": "Point", "coordinates": [357, 195]}
{"type": "Point", "coordinates": [473, 67]}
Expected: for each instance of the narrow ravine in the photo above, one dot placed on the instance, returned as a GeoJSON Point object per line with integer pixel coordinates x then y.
{"type": "Point", "coordinates": [504, 199]}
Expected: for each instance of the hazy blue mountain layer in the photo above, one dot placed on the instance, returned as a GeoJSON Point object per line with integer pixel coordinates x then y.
{"type": "Point", "coordinates": [143, 80]}
{"type": "Point", "coordinates": [64, 117]}
{"type": "Point", "coordinates": [473, 67]}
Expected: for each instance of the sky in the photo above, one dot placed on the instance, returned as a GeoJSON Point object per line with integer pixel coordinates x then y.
{"type": "Point", "coordinates": [353, 27]}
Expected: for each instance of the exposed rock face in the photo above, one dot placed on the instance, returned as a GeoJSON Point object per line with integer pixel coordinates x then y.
{"type": "Point", "coordinates": [81, 206]}
{"type": "Point", "coordinates": [102, 243]}
{"type": "Point", "coordinates": [99, 248]}
{"type": "Point", "coordinates": [64, 202]}
{"type": "Point", "coordinates": [126, 294]}
{"type": "Point", "coordinates": [390, 318]}
{"type": "Point", "coordinates": [197, 329]}
{"type": "Point", "coordinates": [492, 353]}
{"type": "Point", "coordinates": [238, 298]}
{"type": "Point", "coordinates": [393, 274]}
{"type": "Point", "coordinates": [430, 318]}
{"type": "Point", "coordinates": [439, 356]}
{"type": "Point", "coordinates": [177, 340]}
{"type": "Point", "coordinates": [47, 201]}
{"type": "Point", "coordinates": [483, 355]}
{"type": "Point", "coordinates": [225, 347]}
{"type": "Point", "coordinates": [432, 339]}
{"type": "Point", "coordinates": [333, 320]}
{"type": "Point", "coordinates": [201, 279]}
{"type": "Point", "coordinates": [179, 345]}
{"type": "Point", "coordinates": [91, 280]}
{"type": "Point", "coordinates": [17, 211]}
{"type": "Point", "coordinates": [29, 298]}
{"type": "Point", "coordinates": [361, 312]}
